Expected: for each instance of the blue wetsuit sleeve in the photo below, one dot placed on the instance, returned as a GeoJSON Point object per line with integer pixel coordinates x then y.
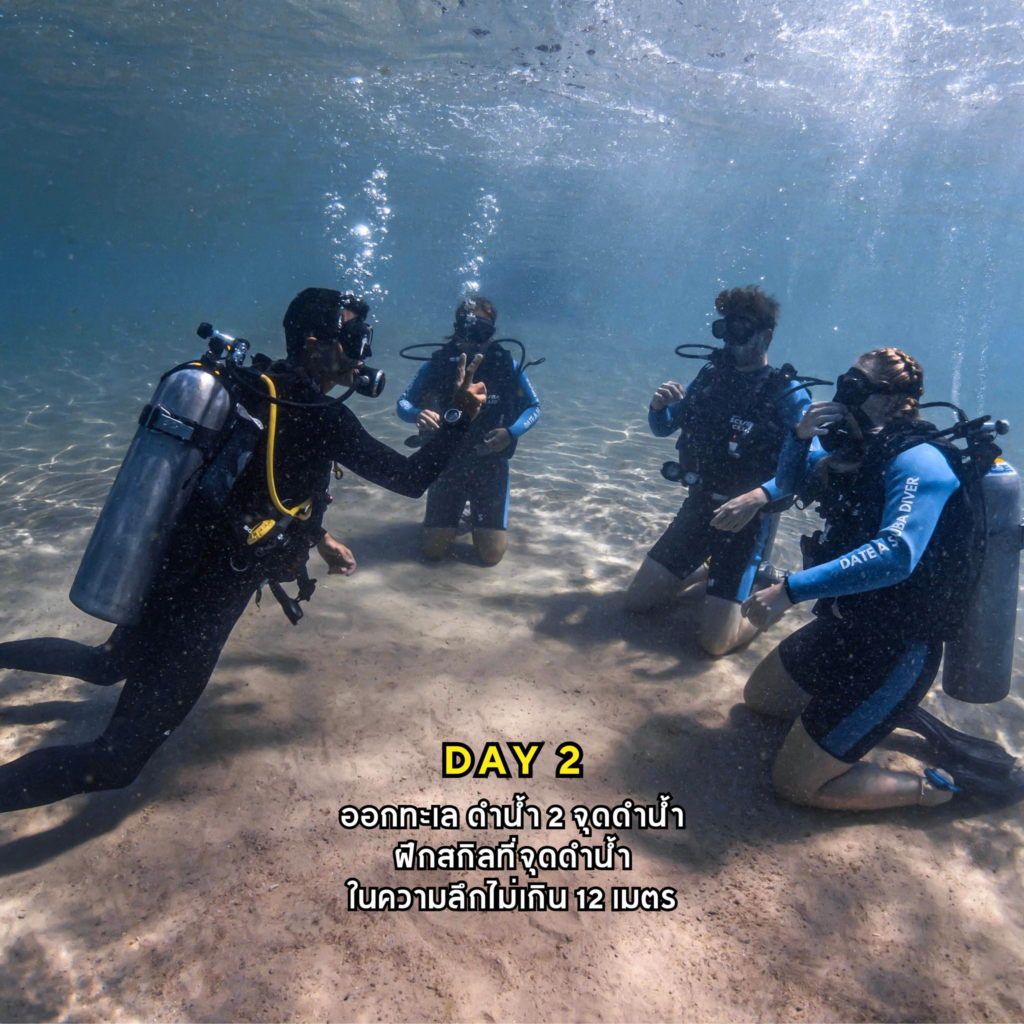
{"type": "Point", "coordinates": [529, 416]}
{"type": "Point", "coordinates": [410, 405]}
{"type": "Point", "coordinates": [794, 473]}
{"type": "Point", "coordinates": [792, 407]}
{"type": "Point", "coordinates": [664, 422]}
{"type": "Point", "coordinates": [918, 483]}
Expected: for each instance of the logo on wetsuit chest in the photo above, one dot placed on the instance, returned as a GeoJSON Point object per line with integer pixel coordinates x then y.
{"type": "Point", "coordinates": [493, 398]}
{"type": "Point", "coordinates": [740, 428]}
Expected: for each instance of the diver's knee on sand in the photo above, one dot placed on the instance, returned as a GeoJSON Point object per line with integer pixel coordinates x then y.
{"type": "Point", "coordinates": [770, 690]}
{"type": "Point", "coordinates": [490, 545]}
{"type": "Point", "coordinates": [802, 767]}
{"type": "Point", "coordinates": [723, 627]}
{"type": "Point", "coordinates": [653, 587]}
{"type": "Point", "coordinates": [436, 542]}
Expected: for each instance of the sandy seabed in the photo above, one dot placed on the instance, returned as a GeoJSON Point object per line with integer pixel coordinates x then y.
{"type": "Point", "coordinates": [214, 888]}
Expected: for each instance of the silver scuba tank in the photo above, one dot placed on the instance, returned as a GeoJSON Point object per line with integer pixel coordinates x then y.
{"type": "Point", "coordinates": [164, 462]}
{"type": "Point", "coordinates": [979, 663]}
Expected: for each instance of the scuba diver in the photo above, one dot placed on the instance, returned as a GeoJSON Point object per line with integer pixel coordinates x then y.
{"type": "Point", "coordinates": [893, 575]}
{"type": "Point", "coordinates": [733, 419]}
{"type": "Point", "coordinates": [216, 498]}
{"type": "Point", "coordinates": [479, 474]}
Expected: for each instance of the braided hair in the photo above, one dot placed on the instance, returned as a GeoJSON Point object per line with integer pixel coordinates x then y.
{"type": "Point", "coordinates": [904, 376]}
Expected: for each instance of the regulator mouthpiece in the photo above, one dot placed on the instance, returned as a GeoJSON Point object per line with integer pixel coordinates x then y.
{"type": "Point", "coordinates": [370, 382]}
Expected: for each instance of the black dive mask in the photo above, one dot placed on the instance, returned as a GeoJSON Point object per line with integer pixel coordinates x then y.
{"type": "Point", "coordinates": [735, 329]}
{"type": "Point", "coordinates": [853, 389]}
{"type": "Point", "coordinates": [356, 339]}
{"type": "Point", "coordinates": [473, 329]}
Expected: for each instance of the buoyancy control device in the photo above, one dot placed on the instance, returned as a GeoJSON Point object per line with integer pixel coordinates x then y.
{"type": "Point", "coordinates": [441, 353]}
{"type": "Point", "coordinates": [975, 611]}
{"type": "Point", "coordinates": [742, 450]}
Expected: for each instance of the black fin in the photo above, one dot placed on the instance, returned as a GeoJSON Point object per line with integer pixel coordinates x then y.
{"type": "Point", "coordinates": [958, 749]}
{"type": "Point", "coordinates": [1003, 789]}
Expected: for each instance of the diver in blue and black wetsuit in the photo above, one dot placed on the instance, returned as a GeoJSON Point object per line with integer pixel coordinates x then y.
{"type": "Point", "coordinates": [733, 419]}
{"type": "Point", "coordinates": [890, 575]}
{"type": "Point", "coordinates": [478, 475]}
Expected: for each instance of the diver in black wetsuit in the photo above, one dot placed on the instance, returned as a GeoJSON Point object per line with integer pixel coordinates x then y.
{"type": "Point", "coordinates": [206, 579]}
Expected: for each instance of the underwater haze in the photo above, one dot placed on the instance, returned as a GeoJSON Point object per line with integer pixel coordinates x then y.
{"type": "Point", "coordinates": [600, 170]}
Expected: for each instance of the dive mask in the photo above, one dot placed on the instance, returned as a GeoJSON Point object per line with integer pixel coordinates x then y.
{"type": "Point", "coordinates": [356, 338]}
{"type": "Point", "coordinates": [475, 329]}
{"type": "Point", "coordinates": [735, 329]}
{"type": "Point", "coordinates": [853, 389]}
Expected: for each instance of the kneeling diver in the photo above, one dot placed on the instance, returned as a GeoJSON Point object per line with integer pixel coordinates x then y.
{"type": "Point", "coordinates": [733, 419]}
{"type": "Point", "coordinates": [892, 573]}
{"type": "Point", "coordinates": [479, 473]}
{"type": "Point", "coordinates": [207, 569]}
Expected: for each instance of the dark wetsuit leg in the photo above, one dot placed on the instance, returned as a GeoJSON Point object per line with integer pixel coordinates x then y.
{"type": "Point", "coordinates": [103, 665]}
{"type": "Point", "coordinates": [447, 496]}
{"type": "Point", "coordinates": [690, 539]}
{"type": "Point", "coordinates": [862, 677]}
{"type": "Point", "coordinates": [179, 642]}
{"type": "Point", "coordinates": [489, 493]}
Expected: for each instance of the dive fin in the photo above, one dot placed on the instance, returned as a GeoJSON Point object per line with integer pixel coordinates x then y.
{"type": "Point", "coordinates": [958, 749]}
{"type": "Point", "coordinates": [1007, 788]}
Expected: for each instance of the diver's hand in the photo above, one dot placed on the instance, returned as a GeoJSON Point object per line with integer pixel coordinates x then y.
{"type": "Point", "coordinates": [497, 440]}
{"type": "Point", "coordinates": [469, 396]}
{"type": "Point", "coordinates": [818, 418]}
{"type": "Point", "coordinates": [340, 560]}
{"type": "Point", "coordinates": [765, 607]}
{"type": "Point", "coordinates": [734, 515]}
{"type": "Point", "coordinates": [668, 394]}
{"type": "Point", "coordinates": [428, 421]}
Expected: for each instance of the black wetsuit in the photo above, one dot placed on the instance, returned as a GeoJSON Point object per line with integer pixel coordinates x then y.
{"type": "Point", "coordinates": [206, 582]}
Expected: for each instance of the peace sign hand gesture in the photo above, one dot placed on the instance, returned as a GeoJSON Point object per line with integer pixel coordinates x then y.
{"type": "Point", "coordinates": [469, 396]}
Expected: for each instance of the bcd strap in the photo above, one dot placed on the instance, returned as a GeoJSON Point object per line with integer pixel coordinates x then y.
{"type": "Point", "coordinates": [157, 418]}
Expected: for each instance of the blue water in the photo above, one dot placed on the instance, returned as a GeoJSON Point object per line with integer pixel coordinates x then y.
{"type": "Point", "coordinates": [599, 169]}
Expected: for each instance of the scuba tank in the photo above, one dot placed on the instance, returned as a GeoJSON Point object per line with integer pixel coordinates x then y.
{"type": "Point", "coordinates": [193, 423]}
{"type": "Point", "coordinates": [979, 663]}
{"type": "Point", "coordinates": [978, 660]}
